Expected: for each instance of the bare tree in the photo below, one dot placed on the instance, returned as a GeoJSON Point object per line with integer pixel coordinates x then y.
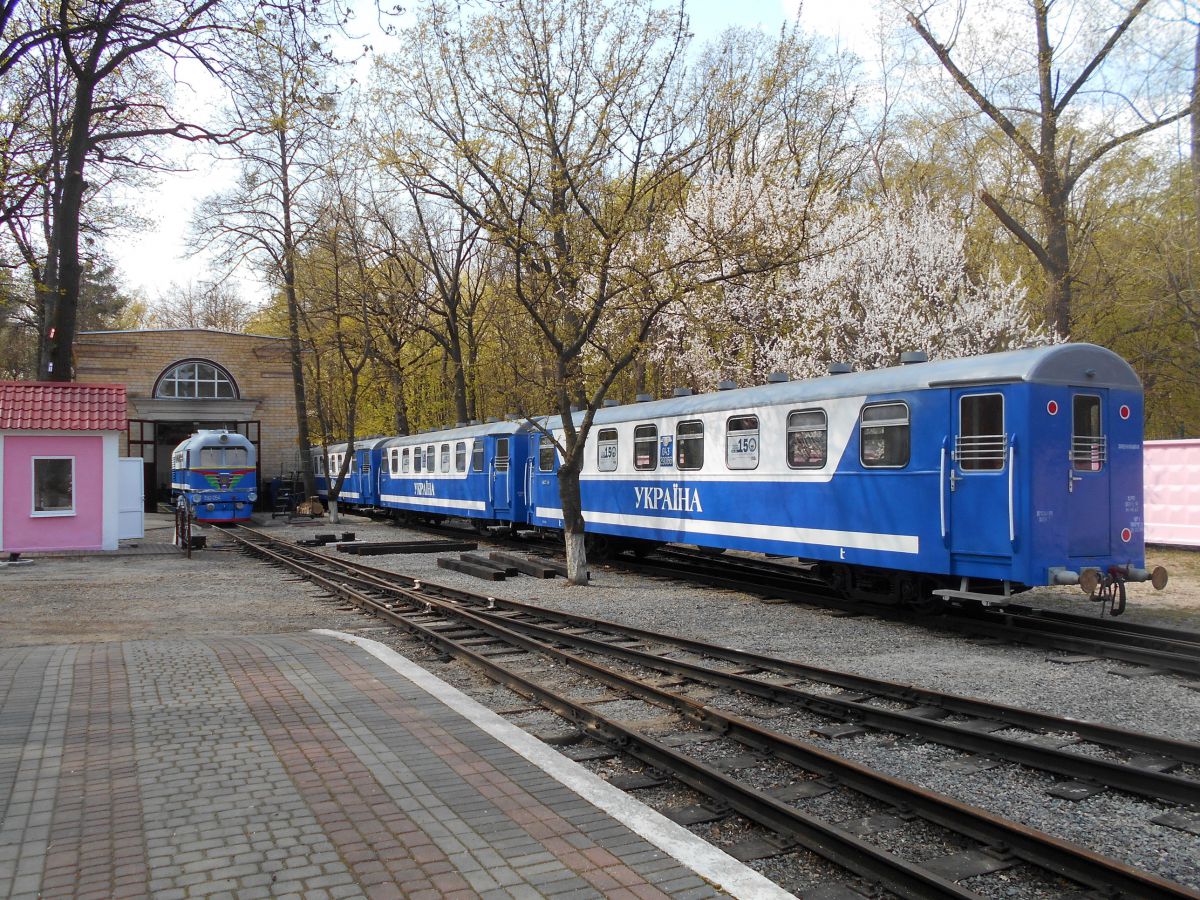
{"type": "Point", "coordinates": [337, 323]}
{"type": "Point", "coordinates": [442, 263]}
{"type": "Point", "coordinates": [1091, 86]}
{"type": "Point", "coordinates": [201, 305]}
{"type": "Point", "coordinates": [566, 116]}
{"type": "Point", "coordinates": [281, 102]}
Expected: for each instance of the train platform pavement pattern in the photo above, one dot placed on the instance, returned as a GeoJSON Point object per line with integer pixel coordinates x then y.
{"type": "Point", "coordinates": [312, 765]}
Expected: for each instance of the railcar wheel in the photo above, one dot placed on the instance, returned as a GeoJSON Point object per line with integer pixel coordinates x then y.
{"type": "Point", "coordinates": [598, 547]}
{"type": "Point", "coordinates": [918, 596]}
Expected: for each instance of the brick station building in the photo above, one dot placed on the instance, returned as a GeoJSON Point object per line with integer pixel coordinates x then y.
{"type": "Point", "coordinates": [181, 379]}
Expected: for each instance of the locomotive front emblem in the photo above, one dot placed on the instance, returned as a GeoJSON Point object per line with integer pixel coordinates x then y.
{"type": "Point", "coordinates": [672, 499]}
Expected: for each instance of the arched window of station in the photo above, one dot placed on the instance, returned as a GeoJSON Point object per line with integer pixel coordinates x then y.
{"type": "Point", "coordinates": [195, 379]}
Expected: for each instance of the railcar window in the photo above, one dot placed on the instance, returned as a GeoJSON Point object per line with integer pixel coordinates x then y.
{"type": "Point", "coordinates": [477, 456]}
{"type": "Point", "coordinates": [981, 442]}
{"type": "Point", "coordinates": [807, 439]}
{"type": "Point", "coordinates": [883, 436]}
{"type": "Point", "coordinates": [430, 459]}
{"type": "Point", "coordinates": [1088, 443]}
{"type": "Point", "coordinates": [742, 442]}
{"type": "Point", "coordinates": [210, 457]}
{"type": "Point", "coordinates": [606, 450]}
{"type": "Point", "coordinates": [445, 458]}
{"type": "Point", "coordinates": [645, 447]}
{"type": "Point", "coordinates": [502, 453]}
{"type": "Point", "coordinates": [365, 466]}
{"type": "Point", "coordinates": [418, 455]}
{"type": "Point", "coordinates": [460, 456]}
{"type": "Point", "coordinates": [53, 485]}
{"type": "Point", "coordinates": [237, 456]}
{"type": "Point", "coordinates": [404, 460]}
{"type": "Point", "coordinates": [545, 454]}
{"type": "Point", "coordinates": [689, 445]}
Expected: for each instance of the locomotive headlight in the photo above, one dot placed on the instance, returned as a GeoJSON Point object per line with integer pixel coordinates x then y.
{"type": "Point", "coordinates": [210, 506]}
{"type": "Point", "coordinates": [253, 496]}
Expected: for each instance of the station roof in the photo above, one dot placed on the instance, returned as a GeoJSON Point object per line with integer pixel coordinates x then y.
{"type": "Point", "coordinates": [61, 406]}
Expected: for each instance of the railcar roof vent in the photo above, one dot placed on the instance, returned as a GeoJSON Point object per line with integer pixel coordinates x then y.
{"type": "Point", "coordinates": [909, 357]}
{"type": "Point", "coordinates": [492, 419]}
{"type": "Point", "coordinates": [681, 392]}
{"type": "Point", "coordinates": [609, 402]}
{"type": "Point", "coordinates": [778, 378]}
{"type": "Point", "coordinates": [473, 422]}
{"type": "Point", "coordinates": [840, 368]}
{"type": "Point", "coordinates": [459, 424]}
{"type": "Point", "coordinates": [574, 407]}
{"type": "Point", "coordinates": [512, 416]}
{"type": "Point", "coordinates": [643, 398]}
{"type": "Point", "coordinates": [726, 385]}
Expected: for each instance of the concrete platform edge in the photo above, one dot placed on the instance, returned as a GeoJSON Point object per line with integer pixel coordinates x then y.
{"type": "Point", "coordinates": [711, 863]}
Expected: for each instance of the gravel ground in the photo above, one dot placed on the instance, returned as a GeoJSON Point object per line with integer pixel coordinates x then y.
{"type": "Point", "coordinates": [216, 592]}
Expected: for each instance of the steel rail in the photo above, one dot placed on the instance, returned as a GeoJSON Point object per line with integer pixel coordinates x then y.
{"type": "Point", "coordinates": [1144, 782]}
{"type": "Point", "coordinates": [1105, 640]}
{"type": "Point", "coordinates": [1050, 853]}
{"type": "Point", "coordinates": [1093, 732]}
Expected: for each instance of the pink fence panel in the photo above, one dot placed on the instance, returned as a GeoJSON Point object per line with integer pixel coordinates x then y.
{"type": "Point", "coordinates": [1172, 485]}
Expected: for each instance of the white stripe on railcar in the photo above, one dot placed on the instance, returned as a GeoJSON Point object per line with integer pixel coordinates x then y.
{"type": "Point", "coordinates": [439, 502]}
{"type": "Point", "coordinates": [824, 537]}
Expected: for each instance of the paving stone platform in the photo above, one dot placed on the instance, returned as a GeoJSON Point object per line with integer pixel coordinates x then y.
{"type": "Point", "coordinates": [308, 766]}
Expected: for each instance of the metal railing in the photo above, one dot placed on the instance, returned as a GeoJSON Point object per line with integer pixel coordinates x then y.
{"type": "Point", "coordinates": [1089, 453]}
{"type": "Point", "coordinates": [980, 451]}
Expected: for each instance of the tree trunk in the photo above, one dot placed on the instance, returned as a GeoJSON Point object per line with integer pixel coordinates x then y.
{"type": "Point", "coordinates": [62, 298]}
{"type": "Point", "coordinates": [1058, 273]}
{"type": "Point", "coordinates": [1195, 108]}
{"type": "Point", "coordinates": [294, 347]}
{"type": "Point", "coordinates": [573, 528]}
{"type": "Point", "coordinates": [333, 511]}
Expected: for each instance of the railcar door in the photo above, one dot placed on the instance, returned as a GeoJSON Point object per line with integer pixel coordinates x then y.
{"type": "Point", "coordinates": [1088, 513]}
{"type": "Point", "coordinates": [979, 482]}
{"type": "Point", "coordinates": [501, 478]}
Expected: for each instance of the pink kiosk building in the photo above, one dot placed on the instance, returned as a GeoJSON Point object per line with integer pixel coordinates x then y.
{"type": "Point", "coordinates": [60, 472]}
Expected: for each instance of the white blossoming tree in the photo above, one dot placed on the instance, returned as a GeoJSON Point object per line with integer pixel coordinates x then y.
{"type": "Point", "coordinates": [876, 280]}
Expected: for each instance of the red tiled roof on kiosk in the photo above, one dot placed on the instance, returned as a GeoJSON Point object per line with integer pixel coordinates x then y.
{"type": "Point", "coordinates": [61, 406]}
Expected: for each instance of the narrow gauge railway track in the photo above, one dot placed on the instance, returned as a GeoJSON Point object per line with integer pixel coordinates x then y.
{"type": "Point", "coordinates": [1169, 649]}
{"type": "Point", "coordinates": [480, 630]}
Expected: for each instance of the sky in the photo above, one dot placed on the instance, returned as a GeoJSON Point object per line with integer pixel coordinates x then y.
{"type": "Point", "coordinates": [151, 261]}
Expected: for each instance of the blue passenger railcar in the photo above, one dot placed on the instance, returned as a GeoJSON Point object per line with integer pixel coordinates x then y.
{"type": "Point", "coordinates": [478, 472]}
{"type": "Point", "coordinates": [213, 476]}
{"type": "Point", "coordinates": [968, 478]}
{"type": "Point", "coordinates": [360, 487]}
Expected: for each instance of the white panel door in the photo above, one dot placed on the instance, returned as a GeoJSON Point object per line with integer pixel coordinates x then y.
{"type": "Point", "coordinates": [130, 519]}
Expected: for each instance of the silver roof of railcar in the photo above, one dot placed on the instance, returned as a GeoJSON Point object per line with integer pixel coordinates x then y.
{"type": "Point", "coordinates": [367, 443]}
{"type": "Point", "coordinates": [213, 438]}
{"type": "Point", "coordinates": [1065, 364]}
{"type": "Point", "coordinates": [458, 434]}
